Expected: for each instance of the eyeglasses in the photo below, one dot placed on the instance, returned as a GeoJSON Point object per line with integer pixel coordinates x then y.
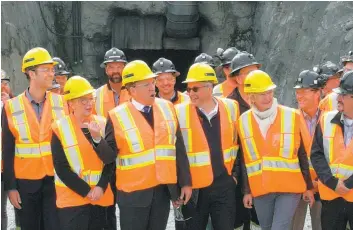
{"type": "Point", "coordinates": [179, 215]}
{"type": "Point", "coordinates": [195, 89]}
{"type": "Point", "coordinates": [85, 101]}
{"type": "Point", "coordinates": [44, 70]}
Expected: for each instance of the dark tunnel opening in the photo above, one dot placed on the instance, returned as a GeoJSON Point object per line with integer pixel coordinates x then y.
{"type": "Point", "coordinates": [182, 60]}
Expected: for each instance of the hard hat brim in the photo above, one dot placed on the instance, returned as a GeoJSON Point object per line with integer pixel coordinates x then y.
{"type": "Point", "coordinates": [110, 61]}
{"type": "Point", "coordinates": [62, 73]}
{"type": "Point", "coordinates": [67, 97]}
{"type": "Point", "coordinates": [261, 90]}
{"type": "Point", "coordinates": [42, 63]}
{"type": "Point", "coordinates": [199, 80]}
{"type": "Point", "coordinates": [152, 75]}
{"type": "Point", "coordinates": [339, 90]}
{"type": "Point", "coordinates": [177, 73]}
{"type": "Point", "coordinates": [243, 66]}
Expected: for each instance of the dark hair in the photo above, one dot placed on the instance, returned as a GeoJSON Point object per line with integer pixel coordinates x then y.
{"type": "Point", "coordinates": [235, 73]}
{"type": "Point", "coordinates": [130, 85]}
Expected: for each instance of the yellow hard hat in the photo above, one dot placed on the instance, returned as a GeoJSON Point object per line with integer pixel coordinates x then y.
{"type": "Point", "coordinates": [258, 81]}
{"type": "Point", "coordinates": [76, 87]}
{"type": "Point", "coordinates": [201, 72]}
{"type": "Point", "coordinates": [137, 71]}
{"type": "Point", "coordinates": [36, 56]}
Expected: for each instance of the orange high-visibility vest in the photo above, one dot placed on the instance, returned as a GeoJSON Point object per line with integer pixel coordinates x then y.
{"type": "Point", "coordinates": [338, 156]}
{"type": "Point", "coordinates": [222, 90]}
{"type": "Point", "coordinates": [329, 103]}
{"type": "Point", "coordinates": [272, 163]}
{"type": "Point", "coordinates": [105, 100]}
{"type": "Point", "coordinates": [146, 156]}
{"type": "Point", "coordinates": [196, 143]}
{"type": "Point", "coordinates": [308, 141]}
{"type": "Point", "coordinates": [83, 160]}
{"type": "Point", "coordinates": [33, 157]}
{"type": "Point", "coordinates": [182, 97]}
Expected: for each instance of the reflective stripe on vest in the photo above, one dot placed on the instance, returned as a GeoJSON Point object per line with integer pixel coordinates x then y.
{"type": "Point", "coordinates": [218, 90]}
{"type": "Point", "coordinates": [100, 100]}
{"type": "Point", "coordinates": [199, 159]}
{"type": "Point", "coordinates": [247, 132]}
{"type": "Point", "coordinates": [57, 105]}
{"type": "Point", "coordinates": [344, 171]}
{"type": "Point", "coordinates": [254, 168]}
{"type": "Point", "coordinates": [33, 150]}
{"type": "Point", "coordinates": [168, 116]}
{"type": "Point", "coordinates": [328, 134]}
{"type": "Point", "coordinates": [70, 145]}
{"type": "Point", "coordinates": [20, 119]}
{"type": "Point", "coordinates": [280, 164]}
{"type": "Point", "coordinates": [332, 101]}
{"type": "Point", "coordinates": [128, 125]}
{"type": "Point", "coordinates": [287, 129]}
{"type": "Point", "coordinates": [184, 124]}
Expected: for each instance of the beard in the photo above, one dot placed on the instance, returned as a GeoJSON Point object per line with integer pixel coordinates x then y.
{"type": "Point", "coordinates": [115, 78]}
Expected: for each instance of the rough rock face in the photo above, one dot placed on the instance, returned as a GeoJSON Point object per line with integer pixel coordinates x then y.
{"type": "Point", "coordinates": [291, 37]}
{"type": "Point", "coordinates": [286, 37]}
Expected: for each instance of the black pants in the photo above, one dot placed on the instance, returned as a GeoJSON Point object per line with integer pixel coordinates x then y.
{"type": "Point", "coordinates": [219, 202]}
{"type": "Point", "coordinates": [111, 210]}
{"type": "Point", "coordinates": [336, 213]}
{"type": "Point", "coordinates": [85, 217]}
{"type": "Point", "coordinates": [152, 217]}
{"type": "Point", "coordinates": [38, 204]}
{"type": "Point", "coordinates": [243, 216]}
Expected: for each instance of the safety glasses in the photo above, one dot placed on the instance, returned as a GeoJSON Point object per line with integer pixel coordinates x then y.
{"type": "Point", "coordinates": [195, 89]}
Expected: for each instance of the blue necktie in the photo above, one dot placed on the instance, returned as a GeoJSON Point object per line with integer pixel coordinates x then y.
{"type": "Point", "coordinates": [146, 109]}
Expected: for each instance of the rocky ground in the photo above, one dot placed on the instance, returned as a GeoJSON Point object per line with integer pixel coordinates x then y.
{"type": "Point", "coordinates": [11, 219]}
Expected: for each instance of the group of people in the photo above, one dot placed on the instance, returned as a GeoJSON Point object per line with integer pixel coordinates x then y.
{"type": "Point", "coordinates": [226, 156]}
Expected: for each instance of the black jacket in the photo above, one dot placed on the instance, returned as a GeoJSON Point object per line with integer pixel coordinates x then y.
{"type": "Point", "coordinates": [243, 106]}
{"type": "Point", "coordinates": [69, 177]}
{"type": "Point", "coordinates": [319, 161]}
{"type": "Point", "coordinates": [144, 197]}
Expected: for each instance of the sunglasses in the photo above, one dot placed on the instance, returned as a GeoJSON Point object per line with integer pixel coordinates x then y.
{"type": "Point", "coordinates": [195, 89]}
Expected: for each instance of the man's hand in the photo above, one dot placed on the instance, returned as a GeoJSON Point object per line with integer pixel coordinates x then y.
{"type": "Point", "coordinates": [15, 198]}
{"type": "Point", "coordinates": [247, 200]}
{"type": "Point", "coordinates": [308, 196]}
{"type": "Point", "coordinates": [185, 195]}
{"type": "Point", "coordinates": [341, 188]}
{"type": "Point", "coordinates": [4, 97]}
{"type": "Point", "coordinates": [95, 130]}
{"type": "Point", "coordinates": [96, 193]}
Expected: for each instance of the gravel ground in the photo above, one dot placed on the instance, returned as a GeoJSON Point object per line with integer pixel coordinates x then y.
{"type": "Point", "coordinates": [170, 226]}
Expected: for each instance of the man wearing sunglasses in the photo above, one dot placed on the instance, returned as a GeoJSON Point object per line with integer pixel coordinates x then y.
{"type": "Point", "coordinates": [152, 164]}
{"type": "Point", "coordinates": [332, 159]}
{"type": "Point", "coordinates": [26, 136]}
{"type": "Point", "coordinates": [165, 81]}
{"type": "Point", "coordinates": [208, 127]}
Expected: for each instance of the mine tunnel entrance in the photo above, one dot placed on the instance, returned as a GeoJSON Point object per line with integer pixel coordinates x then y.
{"type": "Point", "coordinates": [182, 60]}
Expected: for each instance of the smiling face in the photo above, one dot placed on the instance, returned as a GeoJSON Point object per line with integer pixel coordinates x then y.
{"type": "Point", "coordinates": [307, 98]}
{"type": "Point", "coordinates": [203, 92]}
{"type": "Point", "coordinates": [42, 76]}
{"type": "Point", "coordinates": [165, 82]}
{"type": "Point", "coordinates": [262, 101]}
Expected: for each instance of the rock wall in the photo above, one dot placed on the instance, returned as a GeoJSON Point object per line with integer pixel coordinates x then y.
{"type": "Point", "coordinates": [286, 37]}
{"type": "Point", "coordinates": [291, 37]}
